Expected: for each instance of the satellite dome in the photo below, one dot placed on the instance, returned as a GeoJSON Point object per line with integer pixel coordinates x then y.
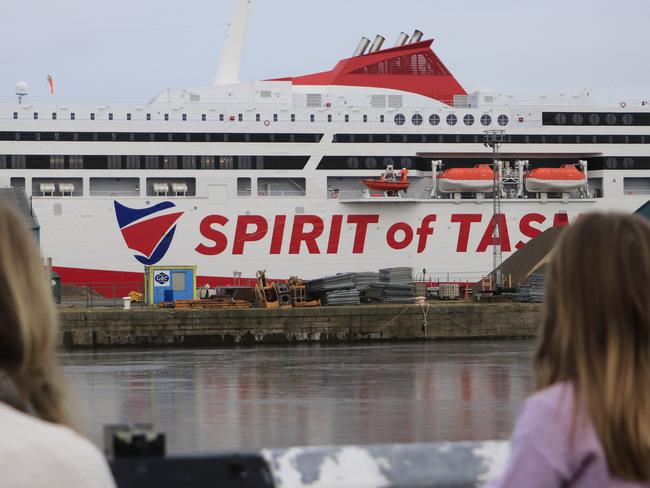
{"type": "Point", "coordinates": [22, 88]}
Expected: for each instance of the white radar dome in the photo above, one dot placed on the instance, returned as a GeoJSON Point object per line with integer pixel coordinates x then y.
{"type": "Point", "coordinates": [22, 88]}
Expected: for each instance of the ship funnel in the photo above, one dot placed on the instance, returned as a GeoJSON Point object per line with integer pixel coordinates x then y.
{"type": "Point", "coordinates": [361, 48]}
{"type": "Point", "coordinates": [416, 37]}
{"type": "Point", "coordinates": [401, 40]}
{"type": "Point", "coordinates": [376, 45]}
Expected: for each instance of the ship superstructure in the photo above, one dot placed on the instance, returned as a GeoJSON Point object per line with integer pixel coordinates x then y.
{"type": "Point", "coordinates": [237, 177]}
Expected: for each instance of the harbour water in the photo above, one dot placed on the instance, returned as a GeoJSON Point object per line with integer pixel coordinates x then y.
{"type": "Point", "coordinates": [247, 398]}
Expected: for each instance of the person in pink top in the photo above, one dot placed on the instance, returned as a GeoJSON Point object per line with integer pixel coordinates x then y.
{"type": "Point", "coordinates": [588, 423]}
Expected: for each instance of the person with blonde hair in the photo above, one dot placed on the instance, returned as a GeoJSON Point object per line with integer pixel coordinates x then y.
{"type": "Point", "coordinates": [39, 445]}
{"type": "Point", "coordinates": [588, 423]}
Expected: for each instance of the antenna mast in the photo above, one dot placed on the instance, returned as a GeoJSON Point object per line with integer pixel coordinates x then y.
{"type": "Point", "coordinates": [228, 69]}
{"type": "Point", "coordinates": [493, 140]}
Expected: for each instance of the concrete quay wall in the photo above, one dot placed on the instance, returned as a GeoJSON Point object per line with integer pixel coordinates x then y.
{"type": "Point", "coordinates": [157, 327]}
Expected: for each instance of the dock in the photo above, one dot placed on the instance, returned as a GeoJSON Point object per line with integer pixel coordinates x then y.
{"type": "Point", "coordinates": [187, 327]}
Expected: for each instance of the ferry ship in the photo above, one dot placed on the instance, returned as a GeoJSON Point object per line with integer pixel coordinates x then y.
{"type": "Point", "coordinates": [301, 175]}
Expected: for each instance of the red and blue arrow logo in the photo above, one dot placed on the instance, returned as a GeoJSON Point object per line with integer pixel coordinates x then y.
{"type": "Point", "coordinates": [148, 231]}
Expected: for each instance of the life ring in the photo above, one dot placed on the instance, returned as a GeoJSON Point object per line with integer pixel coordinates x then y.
{"type": "Point", "coordinates": [266, 123]}
{"type": "Point", "coordinates": [622, 104]}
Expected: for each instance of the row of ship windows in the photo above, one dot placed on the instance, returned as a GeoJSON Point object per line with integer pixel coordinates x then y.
{"type": "Point", "coordinates": [160, 137]}
{"type": "Point", "coordinates": [595, 118]}
{"type": "Point", "coordinates": [33, 162]}
{"type": "Point", "coordinates": [261, 137]}
{"type": "Point", "coordinates": [114, 162]}
{"type": "Point", "coordinates": [452, 119]}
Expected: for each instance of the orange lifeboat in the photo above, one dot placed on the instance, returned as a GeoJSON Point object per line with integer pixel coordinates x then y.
{"type": "Point", "coordinates": [388, 181]}
{"type": "Point", "coordinates": [479, 179]}
{"type": "Point", "coordinates": [566, 179]}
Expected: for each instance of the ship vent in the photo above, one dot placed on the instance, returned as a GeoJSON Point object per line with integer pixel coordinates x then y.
{"type": "Point", "coordinates": [461, 101]}
{"type": "Point", "coordinates": [314, 100]}
{"type": "Point", "coordinates": [378, 101]}
{"type": "Point", "coordinates": [395, 101]}
{"type": "Point", "coordinates": [265, 94]}
{"type": "Point", "coordinates": [195, 97]}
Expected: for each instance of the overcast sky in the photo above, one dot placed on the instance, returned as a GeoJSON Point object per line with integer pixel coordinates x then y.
{"type": "Point", "coordinates": [133, 49]}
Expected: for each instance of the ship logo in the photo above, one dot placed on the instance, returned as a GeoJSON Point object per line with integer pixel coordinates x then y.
{"type": "Point", "coordinates": [148, 231]}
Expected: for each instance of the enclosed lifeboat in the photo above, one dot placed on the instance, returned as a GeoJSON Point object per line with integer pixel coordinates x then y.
{"type": "Point", "coordinates": [479, 179]}
{"type": "Point", "coordinates": [565, 179]}
{"type": "Point", "coordinates": [388, 181]}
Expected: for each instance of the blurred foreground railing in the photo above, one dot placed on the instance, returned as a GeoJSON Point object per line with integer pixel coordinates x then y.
{"type": "Point", "coordinates": [463, 464]}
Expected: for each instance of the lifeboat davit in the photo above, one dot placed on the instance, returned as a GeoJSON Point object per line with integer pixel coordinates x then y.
{"type": "Point", "coordinates": [565, 179]}
{"type": "Point", "coordinates": [479, 179]}
{"type": "Point", "coordinates": [388, 181]}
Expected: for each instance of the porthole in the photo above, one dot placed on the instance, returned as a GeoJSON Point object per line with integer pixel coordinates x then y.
{"type": "Point", "coordinates": [628, 119]}
{"type": "Point", "coordinates": [610, 119]}
{"type": "Point", "coordinates": [594, 119]}
{"type": "Point", "coordinates": [388, 162]}
{"type": "Point", "coordinates": [578, 119]}
{"type": "Point", "coordinates": [560, 119]}
{"type": "Point", "coordinates": [353, 163]}
{"type": "Point", "coordinates": [486, 120]}
{"type": "Point", "coordinates": [611, 163]}
{"type": "Point", "coordinates": [400, 119]}
{"type": "Point", "coordinates": [502, 120]}
{"type": "Point", "coordinates": [416, 119]}
{"type": "Point", "coordinates": [434, 119]}
{"type": "Point", "coordinates": [371, 163]}
{"type": "Point", "coordinates": [628, 163]}
{"type": "Point", "coordinates": [407, 163]}
{"type": "Point", "coordinates": [468, 119]}
{"type": "Point", "coordinates": [452, 119]}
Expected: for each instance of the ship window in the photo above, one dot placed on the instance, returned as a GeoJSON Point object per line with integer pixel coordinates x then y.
{"type": "Point", "coordinates": [388, 162]}
{"type": "Point", "coordinates": [312, 118]}
{"type": "Point", "coordinates": [293, 117]}
{"type": "Point", "coordinates": [502, 120]}
{"type": "Point", "coordinates": [110, 116]}
{"type": "Point", "coordinates": [240, 117]}
{"type": "Point", "coordinates": [400, 119]}
{"type": "Point", "coordinates": [92, 116]}
{"type": "Point", "coordinates": [407, 163]}
{"type": "Point", "coordinates": [434, 119]}
{"type": "Point", "coordinates": [594, 119]}
{"type": "Point", "coordinates": [148, 116]}
{"type": "Point", "coordinates": [611, 163]}
{"type": "Point", "coordinates": [258, 117]}
{"type": "Point", "coordinates": [53, 115]}
{"type": "Point", "coordinates": [560, 119]}
{"type": "Point", "coordinates": [370, 163]}
{"type": "Point", "coordinates": [221, 117]}
{"type": "Point", "coordinates": [347, 118]}
{"type": "Point", "coordinates": [628, 163]}
{"type": "Point", "coordinates": [184, 117]}
{"type": "Point", "coordinates": [170, 162]}
{"type": "Point", "coordinates": [244, 187]}
{"type": "Point", "coordinates": [381, 118]}
{"type": "Point", "coordinates": [628, 119]}
{"type": "Point", "coordinates": [166, 117]}
{"type": "Point", "coordinates": [15, 115]}
{"type": "Point", "coordinates": [365, 118]}
{"type": "Point", "coordinates": [486, 120]}
{"type": "Point", "coordinates": [35, 115]}
{"type": "Point", "coordinates": [151, 162]}
{"type": "Point", "coordinates": [416, 119]}
{"type": "Point", "coordinates": [610, 119]}
{"type": "Point", "coordinates": [128, 116]}
{"type": "Point", "coordinates": [468, 119]}
{"type": "Point", "coordinates": [275, 117]}
{"type": "Point", "coordinates": [577, 119]}
{"type": "Point", "coordinates": [329, 117]}
{"type": "Point", "coordinates": [204, 117]}
{"type": "Point", "coordinates": [353, 162]}
{"type": "Point", "coordinates": [452, 119]}
{"type": "Point", "coordinates": [133, 162]}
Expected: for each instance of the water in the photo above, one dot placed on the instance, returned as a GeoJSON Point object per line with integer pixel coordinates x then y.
{"type": "Point", "coordinates": [247, 398]}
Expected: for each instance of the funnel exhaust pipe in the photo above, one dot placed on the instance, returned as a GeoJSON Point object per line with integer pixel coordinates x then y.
{"type": "Point", "coordinates": [416, 37]}
{"type": "Point", "coordinates": [377, 43]}
{"type": "Point", "coordinates": [361, 48]}
{"type": "Point", "coordinates": [401, 40]}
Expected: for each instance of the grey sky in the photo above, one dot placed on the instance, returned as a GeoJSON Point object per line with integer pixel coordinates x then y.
{"type": "Point", "coordinates": [132, 49]}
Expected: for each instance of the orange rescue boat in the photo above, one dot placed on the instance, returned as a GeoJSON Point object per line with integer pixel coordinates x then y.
{"type": "Point", "coordinates": [388, 181]}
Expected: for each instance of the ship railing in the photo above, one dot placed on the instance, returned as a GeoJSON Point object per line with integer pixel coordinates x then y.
{"type": "Point", "coordinates": [373, 195]}
{"type": "Point", "coordinates": [281, 193]}
{"type": "Point", "coordinates": [112, 193]}
{"type": "Point", "coordinates": [105, 294]}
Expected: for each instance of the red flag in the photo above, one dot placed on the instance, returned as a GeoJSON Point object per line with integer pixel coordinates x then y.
{"type": "Point", "coordinates": [50, 82]}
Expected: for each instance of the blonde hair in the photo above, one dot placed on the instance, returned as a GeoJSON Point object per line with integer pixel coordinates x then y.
{"type": "Point", "coordinates": [596, 333]}
{"type": "Point", "coordinates": [28, 322]}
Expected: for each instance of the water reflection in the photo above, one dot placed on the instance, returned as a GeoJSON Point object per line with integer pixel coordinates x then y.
{"type": "Point", "coordinates": [209, 400]}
